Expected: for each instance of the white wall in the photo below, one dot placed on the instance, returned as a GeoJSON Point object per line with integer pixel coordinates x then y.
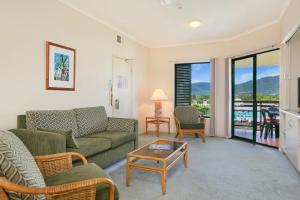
{"type": "Point", "coordinates": [26, 25]}
{"type": "Point", "coordinates": [162, 60]}
{"type": "Point", "coordinates": [291, 18]}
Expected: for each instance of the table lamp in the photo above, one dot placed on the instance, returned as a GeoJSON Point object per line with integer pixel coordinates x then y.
{"type": "Point", "coordinates": [158, 96]}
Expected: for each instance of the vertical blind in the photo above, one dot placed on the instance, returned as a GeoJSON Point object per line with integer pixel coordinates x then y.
{"type": "Point", "coordinates": [183, 78]}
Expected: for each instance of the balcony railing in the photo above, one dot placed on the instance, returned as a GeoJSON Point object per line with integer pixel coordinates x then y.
{"type": "Point", "coordinates": [243, 112]}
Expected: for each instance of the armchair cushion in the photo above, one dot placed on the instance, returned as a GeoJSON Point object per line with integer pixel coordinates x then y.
{"type": "Point", "coordinates": [117, 138]}
{"type": "Point", "coordinates": [91, 120]}
{"type": "Point", "coordinates": [18, 166]}
{"type": "Point", "coordinates": [52, 119]}
{"type": "Point", "coordinates": [41, 143]}
{"type": "Point", "coordinates": [120, 124]}
{"type": "Point", "coordinates": [193, 126]}
{"type": "Point", "coordinates": [79, 173]}
{"type": "Point", "coordinates": [187, 114]}
{"type": "Point", "coordinates": [91, 146]}
{"type": "Point", "coordinates": [70, 139]}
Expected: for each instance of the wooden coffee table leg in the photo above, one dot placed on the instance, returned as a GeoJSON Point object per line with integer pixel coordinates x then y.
{"type": "Point", "coordinates": [164, 178]}
{"type": "Point", "coordinates": [128, 173]}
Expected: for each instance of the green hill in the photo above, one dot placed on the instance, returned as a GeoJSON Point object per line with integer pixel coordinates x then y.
{"type": "Point", "coordinates": [201, 88]}
{"type": "Point", "coordinates": [265, 86]}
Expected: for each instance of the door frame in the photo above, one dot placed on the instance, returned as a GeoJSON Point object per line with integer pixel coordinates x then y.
{"type": "Point", "coordinates": [254, 125]}
{"type": "Point", "coordinates": [111, 96]}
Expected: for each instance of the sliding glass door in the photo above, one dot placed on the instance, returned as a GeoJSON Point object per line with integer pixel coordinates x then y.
{"type": "Point", "coordinates": [255, 98]}
{"type": "Point", "coordinates": [243, 98]}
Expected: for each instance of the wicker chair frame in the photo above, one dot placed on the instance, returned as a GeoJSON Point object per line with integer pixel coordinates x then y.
{"type": "Point", "coordinates": [52, 164]}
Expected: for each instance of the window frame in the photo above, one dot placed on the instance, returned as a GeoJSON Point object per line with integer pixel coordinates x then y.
{"type": "Point", "coordinates": [190, 88]}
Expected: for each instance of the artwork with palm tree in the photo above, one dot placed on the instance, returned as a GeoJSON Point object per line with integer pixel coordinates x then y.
{"type": "Point", "coordinates": [60, 67]}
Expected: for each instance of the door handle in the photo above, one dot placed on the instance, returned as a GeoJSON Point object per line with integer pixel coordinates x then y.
{"type": "Point", "coordinates": [117, 104]}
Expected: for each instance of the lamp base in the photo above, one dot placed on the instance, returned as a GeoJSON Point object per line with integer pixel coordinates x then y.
{"type": "Point", "coordinates": [158, 109]}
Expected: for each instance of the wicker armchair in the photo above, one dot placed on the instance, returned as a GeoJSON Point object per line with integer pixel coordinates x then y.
{"type": "Point", "coordinates": [187, 122]}
{"type": "Point", "coordinates": [52, 164]}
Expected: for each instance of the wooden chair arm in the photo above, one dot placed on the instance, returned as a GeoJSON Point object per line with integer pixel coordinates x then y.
{"type": "Point", "coordinates": [177, 123]}
{"type": "Point", "coordinates": [66, 189]}
{"type": "Point", "coordinates": [55, 163]}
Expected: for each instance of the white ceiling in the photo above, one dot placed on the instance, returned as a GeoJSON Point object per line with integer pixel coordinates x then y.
{"type": "Point", "coordinates": [155, 25]}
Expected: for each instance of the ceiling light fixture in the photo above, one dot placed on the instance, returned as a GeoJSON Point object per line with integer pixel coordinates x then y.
{"type": "Point", "coordinates": [194, 23]}
{"type": "Point", "coordinates": [165, 2]}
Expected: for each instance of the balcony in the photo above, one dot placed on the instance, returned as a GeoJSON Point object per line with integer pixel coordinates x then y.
{"type": "Point", "coordinates": [243, 121]}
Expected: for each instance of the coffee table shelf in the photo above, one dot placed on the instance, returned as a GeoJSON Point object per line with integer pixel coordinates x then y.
{"type": "Point", "coordinates": [167, 158]}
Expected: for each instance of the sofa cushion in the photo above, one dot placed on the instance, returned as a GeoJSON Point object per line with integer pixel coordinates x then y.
{"type": "Point", "coordinates": [116, 138]}
{"type": "Point", "coordinates": [91, 146]}
{"type": "Point", "coordinates": [70, 139]}
{"type": "Point", "coordinates": [52, 119]}
{"type": "Point", "coordinates": [192, 126]}
{"type": "Point", "coordinates": [18, 166]}
{"type": "Point", "coordinates": [79, 173]}
{"type": "Point", "coordinates": [91, 120]}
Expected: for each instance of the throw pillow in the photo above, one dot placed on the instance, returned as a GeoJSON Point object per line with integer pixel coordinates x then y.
{"type": "Point", "coordinates": [91, 120]}
{"type": "Point", "coordinates": [18, 166]}
{"type": "Point", "coordinates": [70, 139]}
{"type": "Point", "coordinates": [120, 124]}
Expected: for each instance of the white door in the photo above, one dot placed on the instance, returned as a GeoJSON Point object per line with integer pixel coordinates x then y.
{"type": "Point", "coordinates": [121, 88]}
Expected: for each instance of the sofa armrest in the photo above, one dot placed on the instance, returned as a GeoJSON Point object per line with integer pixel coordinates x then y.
{"type": "Point", "coordinates": [41, 142]}
{"type": "Point", "coordinates": [124, 124]}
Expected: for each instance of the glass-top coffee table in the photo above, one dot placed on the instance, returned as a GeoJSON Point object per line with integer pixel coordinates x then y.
{"type": "Point", "coordinates": [164, 159]}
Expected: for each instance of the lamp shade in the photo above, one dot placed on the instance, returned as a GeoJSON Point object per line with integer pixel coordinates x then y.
{"type": "Point", "coordinates": [159, 95]}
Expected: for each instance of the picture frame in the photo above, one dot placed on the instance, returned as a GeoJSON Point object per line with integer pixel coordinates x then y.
{"type": "Point", "coordinates": [60, 67]}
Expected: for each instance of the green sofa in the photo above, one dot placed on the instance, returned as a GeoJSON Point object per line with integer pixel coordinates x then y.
{"type": "Point", "coordinates": [102, 140]}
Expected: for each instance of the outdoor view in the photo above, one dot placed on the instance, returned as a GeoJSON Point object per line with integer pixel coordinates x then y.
{"type": "Point", "coordinates": [266, 120]}
{"type": "Point", "coordinates": [201, 87]}
{"type": "Point", "coordinates": [267, 83]}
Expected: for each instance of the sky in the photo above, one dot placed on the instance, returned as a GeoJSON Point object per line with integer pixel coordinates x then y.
{"type": "Point", "coordinates": [245, 74]}
{"type": "Point", "coordinates": [200, 72]}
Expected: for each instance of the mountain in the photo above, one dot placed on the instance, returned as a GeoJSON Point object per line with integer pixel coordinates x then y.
{"type": "Point", "coordinates": [201, 88]}
{"type": "Point", "coordinates": [265, 86]}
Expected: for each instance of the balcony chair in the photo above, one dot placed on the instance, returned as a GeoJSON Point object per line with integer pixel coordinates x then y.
{"type": "Point", "coordinates": [187, 122]}
{"type": "Point", "coordinates": [269, 123]}
{"type": "Point", "coordinates": [49, 177]}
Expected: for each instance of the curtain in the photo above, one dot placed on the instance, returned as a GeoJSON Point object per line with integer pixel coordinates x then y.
{"type": "Point", "coordinates": [284, 76]}
{"type": "Point", "coordinates": [227, 98]}
{"type": "Point", "coordinates": [212, 123]}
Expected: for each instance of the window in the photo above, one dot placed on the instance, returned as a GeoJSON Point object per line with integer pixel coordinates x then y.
{"type": "Point", "coordinates": [192, 86]}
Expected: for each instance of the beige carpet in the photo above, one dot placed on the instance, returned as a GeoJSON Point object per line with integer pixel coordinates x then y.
{"type": "Point", "coordinates": [221, 169]}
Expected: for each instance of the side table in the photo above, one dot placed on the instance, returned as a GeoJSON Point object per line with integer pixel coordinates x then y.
{"type": "Point", "coordinates": [157, 121]}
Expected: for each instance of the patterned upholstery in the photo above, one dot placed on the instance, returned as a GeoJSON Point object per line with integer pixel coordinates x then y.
{"type": "Point", "coordinates": [56, 119]}
{"type": "Point", "coordinates": [120, 124]}
{"type": "Point", "coordinates": [187, 114]}
{"type": "Point", "coordinates": [18, 166]}
{"type": "Point", "coordinates": [91, 120]}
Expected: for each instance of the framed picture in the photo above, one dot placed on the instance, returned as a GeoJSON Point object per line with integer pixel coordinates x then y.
{"type": "Point", "coordinates": [60, 67]}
